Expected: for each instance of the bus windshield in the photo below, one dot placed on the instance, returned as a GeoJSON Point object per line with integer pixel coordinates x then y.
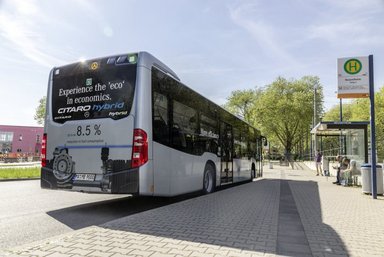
{"type": "Point", "coordinates": [92, 91]}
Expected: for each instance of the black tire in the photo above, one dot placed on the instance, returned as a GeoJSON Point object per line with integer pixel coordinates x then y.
{"type": "Point", "coordinates": [209, 180]}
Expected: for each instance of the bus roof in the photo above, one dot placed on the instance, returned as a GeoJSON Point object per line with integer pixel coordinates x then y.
{"type": "Point", "coordinates": [147, 60]}
{"type": "Point", "coordinates": [144, 59]}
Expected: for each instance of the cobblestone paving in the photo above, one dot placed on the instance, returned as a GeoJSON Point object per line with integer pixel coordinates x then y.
{"type": "Point", "coordinates": [342, 217]}
{"type": "Point", "coordinates": [240, 221]}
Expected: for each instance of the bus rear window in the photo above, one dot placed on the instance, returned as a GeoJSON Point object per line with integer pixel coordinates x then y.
{"type": "Point", "coordinates": [81, 91]}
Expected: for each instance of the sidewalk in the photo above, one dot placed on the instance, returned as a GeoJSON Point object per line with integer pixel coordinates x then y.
{"type": "Point", "coordinates": [286, 213]}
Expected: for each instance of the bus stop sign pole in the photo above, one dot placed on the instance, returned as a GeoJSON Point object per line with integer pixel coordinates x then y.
{"type": "Point", "coordinates": [373, 129]}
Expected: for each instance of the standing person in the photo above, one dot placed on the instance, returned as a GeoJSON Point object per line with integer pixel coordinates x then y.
{"type": "Point", "coordinates": [338, 179]}
{"type": "Point", "coordinates": [318, 163]}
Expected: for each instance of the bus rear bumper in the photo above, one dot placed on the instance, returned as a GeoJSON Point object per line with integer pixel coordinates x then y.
{"type": "Point", "coordinates": [122, 182]}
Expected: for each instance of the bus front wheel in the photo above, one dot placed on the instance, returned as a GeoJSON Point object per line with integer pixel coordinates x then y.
{"type": "Point", "coordinates": [209, 179]}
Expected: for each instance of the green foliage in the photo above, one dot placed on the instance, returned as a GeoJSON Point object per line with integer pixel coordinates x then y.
{"type": "Point", "coordinates": [359, 110]}
{"type": "Point", "coordinates": [15, 173]}
{"type": "Point", "coordinates": [285, 109]}
{"type": "Point", "coordinates": [40, 111]}
{"type": "Point", "coordinates": [240, 102]}
{"type": "Point", "coordinates": [334, 113]}
{"type": "Point", "coordinates": [282, 110]}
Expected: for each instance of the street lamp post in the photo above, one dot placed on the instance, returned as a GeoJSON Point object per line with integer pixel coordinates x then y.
{"type": "Point", "coordinates": [314, 120]}
{"type": "Point", "coordinates": [341, 151]}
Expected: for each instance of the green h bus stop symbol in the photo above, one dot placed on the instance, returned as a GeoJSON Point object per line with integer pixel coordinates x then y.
{"type": "Point", "coordinates": [352, 66]}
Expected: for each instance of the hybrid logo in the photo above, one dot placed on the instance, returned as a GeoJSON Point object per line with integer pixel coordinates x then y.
{"type": "Point", "coordinates": [84, 108]}
{"type": "Point", "coordinates": [113, 114]}
{"type": "Point", "coordinates": [101, 107]}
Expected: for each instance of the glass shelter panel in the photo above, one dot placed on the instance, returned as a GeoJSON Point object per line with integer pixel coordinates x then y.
{"type": "Point", "coordinates": [348, 139]}
{"type": "Point", "coordinates": [355, 147]}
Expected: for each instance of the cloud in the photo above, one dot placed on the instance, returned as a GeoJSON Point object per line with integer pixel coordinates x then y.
{"type": "Point", "coordinates": [91, 10]}
{"type": "Point", "coordinates": [19, 28]}
{"type": "Point", "coordinates": [206, 70]}
{"type": "Point", "coordinates": [249, 17]}
{"type": "Point", "coordinates": [351, 23]}
{"type": "Point", "coordinates": [356, 5]}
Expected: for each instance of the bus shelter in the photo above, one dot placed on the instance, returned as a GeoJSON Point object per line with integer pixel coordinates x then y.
{"type": "Point", "coordinates": [344, 138]}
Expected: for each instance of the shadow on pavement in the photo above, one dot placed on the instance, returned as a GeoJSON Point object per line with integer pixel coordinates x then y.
{"type": "Point", "coordinates": [323, 239]}
{"type": "Point", "coordinates": [267, 216]}
{"type": "Point", "coordinates": [97, 213]}
{"type": "Point", "coordinates": [245, 217]}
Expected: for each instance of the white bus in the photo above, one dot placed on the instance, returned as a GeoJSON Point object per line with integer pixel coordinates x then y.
{"type": "Point", "coordinates": [126, 124]}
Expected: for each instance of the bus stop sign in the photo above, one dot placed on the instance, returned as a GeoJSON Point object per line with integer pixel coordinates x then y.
{"type": "Point", "coordinates": [353, 77]}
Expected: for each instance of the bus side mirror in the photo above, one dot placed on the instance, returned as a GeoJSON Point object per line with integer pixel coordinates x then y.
{"type": "Point", "coordinates": [265, 141]}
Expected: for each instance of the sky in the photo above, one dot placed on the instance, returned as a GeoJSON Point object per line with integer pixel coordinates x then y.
{"type": "Point", "coordinates": [214, 46]}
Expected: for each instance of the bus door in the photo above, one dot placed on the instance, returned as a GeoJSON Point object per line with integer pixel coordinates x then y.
{"type": "Point", "coordinates": [226, 134]}
{"type": "Point", "coordinates": [259, 158]}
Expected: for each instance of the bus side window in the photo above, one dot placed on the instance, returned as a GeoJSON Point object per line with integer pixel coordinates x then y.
{"type": "Point", "coordinates": [184, 127]}
{"type": "Point", "coordinates": [160, 119]}
{"type": "Point", "coordinates": [208, 136]}
{"type": "Point", "coordinates": [178, 138]}
{"type": "Point", "coordinates": [244, 143]}
{"type": "Point", "coordinates": [237, 144]}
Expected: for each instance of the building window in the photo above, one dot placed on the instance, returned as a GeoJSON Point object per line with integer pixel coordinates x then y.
{"type": "Point", "coordinates": [6, 136]}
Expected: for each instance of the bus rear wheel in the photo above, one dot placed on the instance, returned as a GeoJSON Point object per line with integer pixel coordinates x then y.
{"type": "Point", "coordinates": [209, 180]}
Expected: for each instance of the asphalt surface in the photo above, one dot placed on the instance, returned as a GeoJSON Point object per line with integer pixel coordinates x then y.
{"type": "Point", "coordinates": [29, 213]}
{"type": "Point", "coordinates": [285, 213]}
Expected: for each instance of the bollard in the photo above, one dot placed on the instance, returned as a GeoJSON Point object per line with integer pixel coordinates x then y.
{"type": "Point", "coordinates": [270, 165]}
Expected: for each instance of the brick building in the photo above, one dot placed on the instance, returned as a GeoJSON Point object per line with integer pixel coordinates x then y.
{"type": "Point", "coordinates": [21, 140]}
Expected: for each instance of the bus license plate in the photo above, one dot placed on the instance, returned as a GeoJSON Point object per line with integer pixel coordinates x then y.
{"type": "Point", "coordinates": [85, 177]}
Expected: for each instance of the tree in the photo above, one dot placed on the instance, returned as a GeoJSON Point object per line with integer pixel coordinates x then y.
{"type": "Point", "coordinates": [358, 110]}
{"type": "Point", "coordinates": [40, 111]}
{"type": "Point", "coordinates": [285, 109]}
{"type": "Point", "coordinates": [311, 83]}
{"type": "Point", "coordinates": [241, 102]}
{"type": "Point", "coordinates": [333, 114]}
{"type": "Point", "coordinates": [361, 112]}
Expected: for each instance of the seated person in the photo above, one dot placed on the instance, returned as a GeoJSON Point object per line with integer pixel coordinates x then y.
{"type": "Point", "coordinates": [344, 167]}
{"type": "Point", "coordinates": [351, 171]}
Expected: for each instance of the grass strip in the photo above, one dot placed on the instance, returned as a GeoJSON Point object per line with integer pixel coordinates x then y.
{"type": "Point", "coordinates": [19, 172]}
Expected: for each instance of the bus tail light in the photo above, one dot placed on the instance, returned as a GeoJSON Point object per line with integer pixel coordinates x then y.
{"type": "Point", "coordinates": [140, 148]}
{"type": "Point", "coordinates": [44, 150]}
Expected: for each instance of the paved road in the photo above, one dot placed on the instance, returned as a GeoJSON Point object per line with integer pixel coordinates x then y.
{"type": "Point", "coordinates": [29, 213]}
{"type": "Point", "coordinates": [287, 213]}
